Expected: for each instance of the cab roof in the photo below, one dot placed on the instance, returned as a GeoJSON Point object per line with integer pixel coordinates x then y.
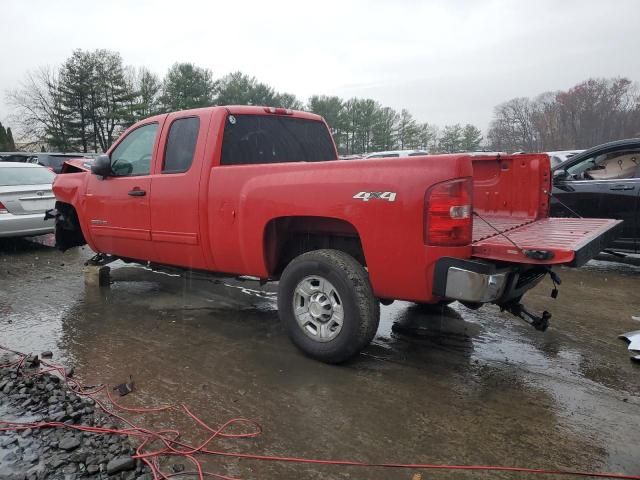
{"type": "Point", "coordinates": [255, 110]}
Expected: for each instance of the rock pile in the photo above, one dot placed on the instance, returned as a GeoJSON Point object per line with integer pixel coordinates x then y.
{"type": "Point", "coordinates": [58, 453]}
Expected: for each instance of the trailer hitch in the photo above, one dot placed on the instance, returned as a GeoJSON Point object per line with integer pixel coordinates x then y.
{"type": "Point", "coordinates": [539, 322]}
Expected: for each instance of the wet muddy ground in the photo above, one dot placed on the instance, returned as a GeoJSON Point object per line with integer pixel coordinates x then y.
{"type": "Point", "coordinates": [455, 386]}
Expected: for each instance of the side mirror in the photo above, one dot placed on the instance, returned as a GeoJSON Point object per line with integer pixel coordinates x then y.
{"type": "Point", "coordinates": [560, 175]}
{"type": "Point", "coordinates": [102, 166]}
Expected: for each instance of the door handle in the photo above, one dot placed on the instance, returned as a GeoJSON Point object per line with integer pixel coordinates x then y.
{"type": "Point", "coordinates": [622, 187]}
{"type": "Point", "coordinates": [136, 192]}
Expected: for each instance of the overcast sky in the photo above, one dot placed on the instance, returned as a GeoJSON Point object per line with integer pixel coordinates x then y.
{"type": "Point", "coordinates": [445, 61]}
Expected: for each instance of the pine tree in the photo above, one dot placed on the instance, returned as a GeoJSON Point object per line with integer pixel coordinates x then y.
{"type": "Point", "coordinates": [187, 86]}
{"type": "Point", "coordinates": [77, 80]}
{"type": "Point", "coordinates": [471, 138]}
{"type": "Point", "coordinates": [148, 90]}
{"type": "Point", "coordinates": [10, 145]}
{"type": "Point", "coordinates": [451, 139]}
{"type": "Point", "coordinates": [3, 139]}
{"type": "Point", "coordinates": [408, 131]}
{"type": "Point", "coordinates": [110, 98]}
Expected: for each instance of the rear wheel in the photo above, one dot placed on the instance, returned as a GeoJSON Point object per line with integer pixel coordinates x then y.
{"type": "Point", "coordinates": [327, 306]}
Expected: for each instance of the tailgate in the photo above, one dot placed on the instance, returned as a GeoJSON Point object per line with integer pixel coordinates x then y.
{"type": "Point", "coordinates": [568, 241]}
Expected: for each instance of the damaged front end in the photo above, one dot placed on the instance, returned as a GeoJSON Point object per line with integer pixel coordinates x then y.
{"type": "Point", "coordinates": [68, 232]}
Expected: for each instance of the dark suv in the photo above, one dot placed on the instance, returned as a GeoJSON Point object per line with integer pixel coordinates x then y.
{"type": "Point", "coordinates": [54, 161]}
{"type": "Point", "coordinates": [602, 182]}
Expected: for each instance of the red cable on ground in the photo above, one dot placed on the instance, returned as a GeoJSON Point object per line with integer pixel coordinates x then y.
{"type": "Point", "coordinates": [174, 447]}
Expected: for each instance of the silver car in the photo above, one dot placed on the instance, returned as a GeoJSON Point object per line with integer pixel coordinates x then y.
{"type": "Point", "coordinates": [25, 194]}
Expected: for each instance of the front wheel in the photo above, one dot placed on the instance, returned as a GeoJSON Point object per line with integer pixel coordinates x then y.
{"type": "Point", "coordinates": [327, 306]}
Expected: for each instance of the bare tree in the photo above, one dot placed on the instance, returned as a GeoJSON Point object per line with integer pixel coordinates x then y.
{"type": "Point", "coordinates": [39, 110]}
{"type": "Point", "coordinates": [593, 112]}
{"type": "Point", "coordinates": [513, 126]}
{"type": "Point", "coordinates": [598, 110]}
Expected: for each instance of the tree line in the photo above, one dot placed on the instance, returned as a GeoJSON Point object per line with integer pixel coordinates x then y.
{"type": "Point", "coordinates": [595, 111]}
{"type": "Point", "coordinates": [362, 125]}
{"type": "Point", "coordinates": [84, 104]}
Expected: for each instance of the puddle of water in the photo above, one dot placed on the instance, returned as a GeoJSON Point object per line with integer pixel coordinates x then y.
{"type": "Point", "coordinates": [456, 386]}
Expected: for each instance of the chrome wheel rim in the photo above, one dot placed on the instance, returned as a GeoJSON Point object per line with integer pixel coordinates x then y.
{"type": "Point", "coordinates": [318, 308]}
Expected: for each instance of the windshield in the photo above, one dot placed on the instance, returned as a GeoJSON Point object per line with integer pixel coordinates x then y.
{"type": "Point", "coordinates": [25, 176]}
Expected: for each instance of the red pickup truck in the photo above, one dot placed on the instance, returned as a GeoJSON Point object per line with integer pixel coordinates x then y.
{"type": "Point", "coordinates": [260, 191]}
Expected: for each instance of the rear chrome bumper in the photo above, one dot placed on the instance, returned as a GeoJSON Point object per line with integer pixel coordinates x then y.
{"type": "Point", "coordinates": [479, 281]}
{"type": "Point", "coordinates": [470, 286]}
{"type": "Point", "coordinates": [24, 225]}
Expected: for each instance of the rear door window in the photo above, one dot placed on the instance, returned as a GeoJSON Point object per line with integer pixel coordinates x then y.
{"type": "Point", "coordinates": [255, 139]}
{"type": "Point", "coordinates": [181, 145]}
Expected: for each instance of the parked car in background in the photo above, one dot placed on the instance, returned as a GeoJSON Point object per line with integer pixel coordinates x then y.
{"type": "Point", "coordinates": [561, 156]}
{"type": "Point", "coordinates": [54, 161]}
{"type": "Point", "coordinates": [396, 153]}
{"type": "Point", "coordinates": [602, 182]}
{"type": "Point", "coordinates": [25, 194]}
{"type": "Point", "coordinates": [20, 157]}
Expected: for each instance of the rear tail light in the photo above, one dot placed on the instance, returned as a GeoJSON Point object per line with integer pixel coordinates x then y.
{"type": "Point", "coordinates": [3, 209]}
{"type": "Point", "coordinates": [448, 213]}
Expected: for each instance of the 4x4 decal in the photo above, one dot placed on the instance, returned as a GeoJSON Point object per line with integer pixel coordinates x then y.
{"type": "Point", "coordinates": [366, 196]}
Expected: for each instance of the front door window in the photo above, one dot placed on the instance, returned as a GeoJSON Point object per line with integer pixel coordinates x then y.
{"type": "Point", "coordinates": [618, 165]}
{"type": "Point", "coordinates": [133, 155]}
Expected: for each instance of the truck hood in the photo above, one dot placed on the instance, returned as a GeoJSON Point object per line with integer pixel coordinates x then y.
{"type": "Point", "coordinates": [77, 165]}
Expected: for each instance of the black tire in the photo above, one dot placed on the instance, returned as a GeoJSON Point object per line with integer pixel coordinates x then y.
{"type": "Point", "coordinates": [361, 309]}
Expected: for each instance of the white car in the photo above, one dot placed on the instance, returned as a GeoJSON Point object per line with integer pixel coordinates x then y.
{"type": "Point", "coordinates": [25, 194]}
{"type": "Point", "coordinates": [396, 153]}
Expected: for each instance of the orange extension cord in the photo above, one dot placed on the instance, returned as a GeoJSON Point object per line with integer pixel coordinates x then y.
{"type": "Point", "coordinates": [170, 446]}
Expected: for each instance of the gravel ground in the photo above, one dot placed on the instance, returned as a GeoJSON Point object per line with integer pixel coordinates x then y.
{"type": "Point", "coordinates": [58, 453]}
{"type": "Point", "coordinates": [451, 386]}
